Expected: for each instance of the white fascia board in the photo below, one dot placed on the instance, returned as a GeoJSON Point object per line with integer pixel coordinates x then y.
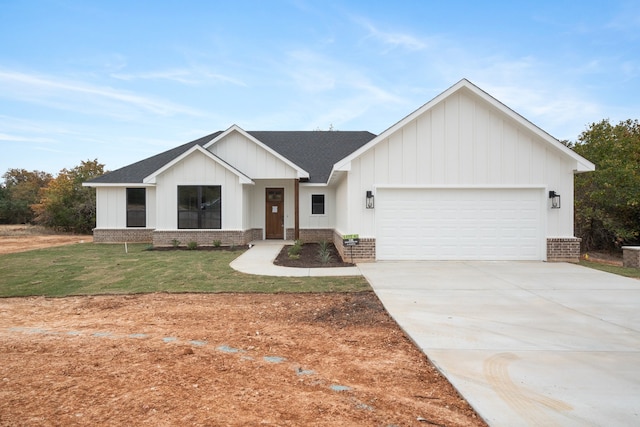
{"type": "Point", "coordinates": [337, 169]}
{"type": "Point", "coordinates": [314, 184]}
{"type": "Point", "coordinates": [120, 184]}
{"type": "Point", "coordinates": [346, 162]}
{"type": "Point", "coordinates": [301, 173]}
{"type": "Point", "coordinates": [151, 179]}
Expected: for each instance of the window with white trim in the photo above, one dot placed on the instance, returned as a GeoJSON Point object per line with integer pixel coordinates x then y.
{"type": "Point", "coordinates": [317, 204]}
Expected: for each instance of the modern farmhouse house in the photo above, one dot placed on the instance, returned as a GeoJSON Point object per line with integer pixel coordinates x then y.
{"type": "Point", "coordinates": [464, 177]}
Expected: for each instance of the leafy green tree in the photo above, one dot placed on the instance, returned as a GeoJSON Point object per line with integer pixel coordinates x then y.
{"type": "Point", "coordinates": [607, 208]}
{"type": "Point", "coordinates": [4, 202]}
{"type": "Point", "coordinates": [20, 190]}
{"type": "Point", "coordinates": [65, 204]}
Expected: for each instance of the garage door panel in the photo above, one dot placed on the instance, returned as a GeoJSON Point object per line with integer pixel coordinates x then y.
{"type": "Point", "coordinates": [500, 224]}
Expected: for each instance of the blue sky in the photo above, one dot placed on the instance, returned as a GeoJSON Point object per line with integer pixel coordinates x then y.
{"type": "Point", "coordinates": [122, 80]}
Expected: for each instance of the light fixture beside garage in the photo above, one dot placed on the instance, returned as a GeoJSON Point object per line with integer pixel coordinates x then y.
{"type": "Point", "coordinates": [555, 200]}
{"type": "Point", "coordinates": [369, 198]}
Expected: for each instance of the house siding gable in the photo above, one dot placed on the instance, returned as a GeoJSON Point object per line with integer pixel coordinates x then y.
{"type": "Point", "coordinates": [251, 159]}
{"type": "Point", "coordinates": [198, 169]}
{"type": "Point", "coordinates": [463, 140]}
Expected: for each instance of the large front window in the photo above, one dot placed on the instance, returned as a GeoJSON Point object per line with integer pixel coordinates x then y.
{"type": "Point", "coordinates": [199, 206]}
{"type": "Point", "coordinates": [136, 207]}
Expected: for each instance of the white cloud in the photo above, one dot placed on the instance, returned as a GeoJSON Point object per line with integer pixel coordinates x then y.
{"type": "Point", "coordinates": [189, 76]}
{"type": "Point", "coordinates": [393, 40]}
{"type": "Point", "coordinates": [21, 138]}
{"type": "Point", "coordinates": [83, 97]}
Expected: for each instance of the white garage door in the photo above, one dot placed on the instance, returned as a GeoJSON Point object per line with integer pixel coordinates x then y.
{"type": "Point", "coordinates": [460, 224]}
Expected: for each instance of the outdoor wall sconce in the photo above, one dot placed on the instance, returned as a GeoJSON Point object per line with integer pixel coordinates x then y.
{"type": "Point", "coordinates": [555, 200]}
{"type": "Point", "coordinates": [369, 204]}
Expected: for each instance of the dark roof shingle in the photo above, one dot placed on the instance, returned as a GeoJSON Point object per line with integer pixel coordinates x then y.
{"type": "Point", "coordinates": [137, 172]}
{"type": "Point", "coordinates": [314, 151]}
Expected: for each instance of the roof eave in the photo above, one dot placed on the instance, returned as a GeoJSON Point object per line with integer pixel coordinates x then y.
{"type": "Point", "coordinates": [117, 184]}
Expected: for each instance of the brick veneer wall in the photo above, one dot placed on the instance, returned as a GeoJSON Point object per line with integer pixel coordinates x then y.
{"type": "Point", "coordinates": [365, 251]}
{"type": "Point", "coordinates": [563, 249]}
{"type": "Point", "coordinates": [121, 235]}
{"type": "Point", "coordinates": [316, 234]}
{"type": "Point", "coordinates": [253, 234]}
{"type": "Point", "coordinates": [290, 234]}
{"type": "Point", "coordinates": [204, 237]}
{"type": "Point", "coordinates": [631, 256]}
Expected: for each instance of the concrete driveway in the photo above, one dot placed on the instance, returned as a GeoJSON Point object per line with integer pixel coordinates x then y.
{"type": "Point", "coordinates": [526, 343]}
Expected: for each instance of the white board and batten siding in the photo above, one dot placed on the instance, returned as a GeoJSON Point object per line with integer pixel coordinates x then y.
{"type": "Point", "coordinates": [111, 206]}
{"type": "Point", "coordinates": [253, 160]}
{"type": "Point", "coordinates": [462, 142]}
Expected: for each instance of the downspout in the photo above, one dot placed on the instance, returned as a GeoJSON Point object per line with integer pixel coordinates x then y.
{"type": "Point", "coordinates": [296, 229]}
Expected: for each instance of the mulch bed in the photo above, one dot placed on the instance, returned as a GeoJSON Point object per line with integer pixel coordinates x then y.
{"type": "Point", "coordinates": [198, 248]}
{"type": "Point", "coordinates": [309, 257]}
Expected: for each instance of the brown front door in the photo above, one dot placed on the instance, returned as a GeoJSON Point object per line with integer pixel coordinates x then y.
{"type": "Point", "coordinates": [274, 228]}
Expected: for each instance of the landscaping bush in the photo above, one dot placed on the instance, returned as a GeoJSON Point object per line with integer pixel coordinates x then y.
{"type": "Point", "coordinates": [324, 252]}
{"type": "Point", "coordinates": [294, 251]}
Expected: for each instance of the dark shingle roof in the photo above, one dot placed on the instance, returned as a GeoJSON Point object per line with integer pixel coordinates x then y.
{"type": "Point", "coordinates": [314, 151]}
{"type": "Point", "coordinates": [136, 172]}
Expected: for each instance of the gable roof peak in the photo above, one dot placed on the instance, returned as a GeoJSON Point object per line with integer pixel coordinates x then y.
{"type": "Point", "coordinates": [302, 174]}
{"type": "Point", "coordinates": [583, 164]}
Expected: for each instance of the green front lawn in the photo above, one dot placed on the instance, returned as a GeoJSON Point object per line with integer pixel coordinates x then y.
{"type": "Point", "coordinates": [91, 269]}
{"type": "Point", "coordinates": [622, 271]}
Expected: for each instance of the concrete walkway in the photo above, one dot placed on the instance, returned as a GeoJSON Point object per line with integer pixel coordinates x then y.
{"type": "Point", "coordinates": [526, 343]}
{"type": "Point", "coordinates": [259, 260]}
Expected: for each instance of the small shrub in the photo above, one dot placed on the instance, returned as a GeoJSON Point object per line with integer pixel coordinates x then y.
{"type": "Point", "coordinates": [175, 243]}
{"type": "Point", "coordinates": [149, 248]}
{"type": "Point", "coordinates": [324, 245]}
{"type": "Point", "coordinates": [192, 245]}
{"type": "Point", "coordinates": [324, 252]}
{"type": "Point", "coordinates": [217, 243]}
{"type": "Point", "coordinates": [294, 250]}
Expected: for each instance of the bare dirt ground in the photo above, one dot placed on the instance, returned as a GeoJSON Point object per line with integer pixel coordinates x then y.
{"type": "Point", "coordinates": [20, 238]}
{"type": "Point", "coordinates": [214, 360]}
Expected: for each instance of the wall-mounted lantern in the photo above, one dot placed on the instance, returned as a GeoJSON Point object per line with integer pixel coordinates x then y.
{"type": "Point", "coordinates": [555, 200]}
{"type": "Point", "coordinates": [369, 199]}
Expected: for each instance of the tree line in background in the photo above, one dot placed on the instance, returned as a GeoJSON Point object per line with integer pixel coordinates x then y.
{"type": "Point", "coordinates": [61, 203]}
{"type": "Point", "coordinates": [607, 201]}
